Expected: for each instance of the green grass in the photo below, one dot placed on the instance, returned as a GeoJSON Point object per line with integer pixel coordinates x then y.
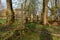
{"type": "Point", "coordinates": [31, 35]}
{"type": "Point", "coordinates": [52, 29]}
{"type": "Point", "coordinates": [2, 21]}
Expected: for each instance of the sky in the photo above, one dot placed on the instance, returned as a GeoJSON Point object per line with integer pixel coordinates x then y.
{"type": "Point", "coordinates": [15, 2]}
{"type": "Point", "coordinates": [3, 3]}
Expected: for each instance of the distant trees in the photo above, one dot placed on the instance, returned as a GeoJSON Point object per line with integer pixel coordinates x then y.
{"type": "Point", "coordinates": [53, 10]}
{"type": "Point", "coordinates": [31, 8]}
{"type": "Point", "coordinates": [23, 8]}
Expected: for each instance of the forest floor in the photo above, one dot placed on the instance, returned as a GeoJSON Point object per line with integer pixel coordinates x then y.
{"type": "Point", "coordinates": [32, 31]}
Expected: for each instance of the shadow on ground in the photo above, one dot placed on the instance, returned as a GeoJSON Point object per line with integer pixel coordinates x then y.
{"type": "Point", "coordinates": [45, 34]}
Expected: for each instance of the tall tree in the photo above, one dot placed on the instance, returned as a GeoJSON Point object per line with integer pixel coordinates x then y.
{"type": "Point", "coordinates": [10, 9]}
{"type": "Point", "coordinates": [45, 11]}
{"type": "Point", "coordinates": [31, 10]}
{"type": "Point", "coordinates": [56, 3]}
{"type": "Point", "coordinates": [24, 10]}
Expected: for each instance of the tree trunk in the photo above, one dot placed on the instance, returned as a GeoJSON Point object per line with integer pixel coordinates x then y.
{"type": "Point", "coordinates": [31, 11]}
{"type": "Point", "coordinates": [45, 12]}
{"type": "Point", "coordinates": [24, 13]}
{"type": "Point", "coordinates": [10, 10]}
{"type": "Point", "coordinates": [56, 3]}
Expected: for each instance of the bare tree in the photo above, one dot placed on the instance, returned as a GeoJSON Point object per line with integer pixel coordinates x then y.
{"type": "Point", "coordinates": [45, 11]}
{"type": "Point", "coordinates": [10, 9]}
